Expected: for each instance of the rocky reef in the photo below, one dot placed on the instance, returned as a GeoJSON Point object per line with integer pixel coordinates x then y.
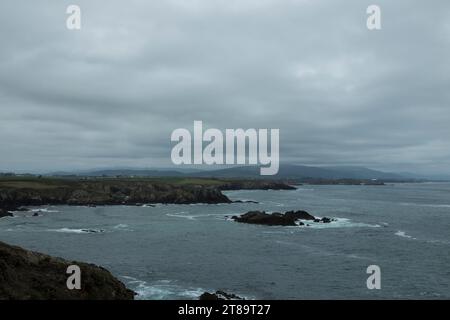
{"type": "Point", "coordinates": [288, 218]}
{"type": "Point", "coordinates": [28, 275]}
{"type": "Point", "coordinates": [219, 295]}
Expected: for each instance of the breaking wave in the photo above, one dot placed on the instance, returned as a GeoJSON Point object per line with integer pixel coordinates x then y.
{"type": "Point", "coordinates": [403, 234]}
{"type": "Point", "coordinates": [162, 290]}
{"type": "Point", "coordinates": [79, 231]}
{"type": "Point", "coordinates": [425, 205]}
{"type": "Point", "coordinates": [338, 223]}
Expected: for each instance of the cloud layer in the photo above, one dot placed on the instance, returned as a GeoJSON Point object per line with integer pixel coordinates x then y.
{"type": "Point", "coordinates": [112, 93]}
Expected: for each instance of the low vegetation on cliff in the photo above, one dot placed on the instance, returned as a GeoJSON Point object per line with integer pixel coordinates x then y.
{"type": "Point", "coordinates": [114, 191]}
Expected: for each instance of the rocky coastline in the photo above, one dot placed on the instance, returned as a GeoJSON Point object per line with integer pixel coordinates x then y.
{"type": "Point", "coordinates": [28, 275]}
{"type": "Point", "coordinates": [17, 193]}
{"type": "Point", "coordinates": [107, 193]}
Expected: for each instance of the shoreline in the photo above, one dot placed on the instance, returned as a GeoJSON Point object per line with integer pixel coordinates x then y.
{"type": "Point", "coordinates": [18, 193]}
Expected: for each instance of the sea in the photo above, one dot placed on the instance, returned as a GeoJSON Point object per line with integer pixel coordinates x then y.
{"type": "Point", "coordinates": [180, 251]}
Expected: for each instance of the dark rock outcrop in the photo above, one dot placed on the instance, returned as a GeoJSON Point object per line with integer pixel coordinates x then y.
{"type": "Point", "coordinates": [93, 230]}
{"type": "Point", "coordinates": [261, 217]}
{"type": "Point", "coordinates": [299, 215]}
{"type": "Point", "coordinates": [6, 211]}
{"type": "Point", "coordinates": [326, 220]}
{"type": "Point", "coordinates": [245, 201]}
{"type": "Point", "coordinates": [278, 219]}
{"type": "Point", "coordinates": [26, 275]}
{"type": "Point", "coordinates": [219, 295]}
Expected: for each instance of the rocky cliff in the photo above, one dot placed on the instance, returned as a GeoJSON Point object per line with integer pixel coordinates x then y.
{"type": "Point", "coordinates": [26, 275]}
{"type": "Point", "coordinates": [104, 192]}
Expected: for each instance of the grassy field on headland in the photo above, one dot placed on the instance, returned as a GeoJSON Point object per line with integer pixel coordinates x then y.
{"type": "Point", "coordinates": [19, 191]}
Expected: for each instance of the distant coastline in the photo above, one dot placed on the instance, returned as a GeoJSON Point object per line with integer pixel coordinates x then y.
{"type": "Point", "coordinates": [16, 192]}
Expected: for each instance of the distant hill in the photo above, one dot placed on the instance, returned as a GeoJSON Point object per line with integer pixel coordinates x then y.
{"type": "Point", "coordinates": [355, 172]}
{"type": "Point", "coordinates": [287, 171]}
{"type": "Point", "coordinates": [134, 172]}
{"type": "Point", "coordinates": [139, 172]}
{"type": "Point", "coordinates": [299, 172]}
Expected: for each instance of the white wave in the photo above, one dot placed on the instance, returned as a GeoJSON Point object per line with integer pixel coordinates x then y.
{"type": "Point", "coordinates": [338, 223]}
{"type": "Point", "coordinates": [14, 216]}
{"type": "Point", "coordinates": [430, 294]}
{"type": "Point", "coordinates": [358, 257]}
{"type": "Point", "coordinates": [35, 210]}
{"type": "Point", "coordinates": [162, 290]}
{"type": "Point", "coordinates": [403, 234]}
{"type": "Point", "coordinates": [439, 205]}
{"type": "Point", "coordinates": [193, 217]}
{"type": "Point", "coordinates": [274, 232]}
{"type": "Point", "coordinates": [181, 215]}
{"type": "Point", "coordinates": [44, 210]}
{"type": "Point", "coordinates": [444, 242]}
{"type": "Point", "coordinates": [277, 204]}
{"type": "Point", "coordinates": [120, 226]}
{"type": "Point", "coordinates": [251, 201]}
{"type": "Point", "coordinates": [166, 290]}
{"type": "Point", "coordinates": [79, 231]}
{"type": "Point", "coordinates": [425, 205]}
{"type": "Point", "coordinates": [67, 230]}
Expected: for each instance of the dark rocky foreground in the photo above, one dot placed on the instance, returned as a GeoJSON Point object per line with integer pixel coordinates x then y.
{"type": "Point", "coordinates": [26, 275]}
{"type": "Point", "coordinates": [289, 218]}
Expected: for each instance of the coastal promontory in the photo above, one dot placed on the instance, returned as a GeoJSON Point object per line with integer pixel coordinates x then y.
{"type": "Point", "coordinates": [120, 191]}
{"type": "Point", "coordinates": [28, 275]}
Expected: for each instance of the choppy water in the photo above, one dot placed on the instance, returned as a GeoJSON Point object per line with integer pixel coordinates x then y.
{"type": "Point", "coordinates": [179, 251]}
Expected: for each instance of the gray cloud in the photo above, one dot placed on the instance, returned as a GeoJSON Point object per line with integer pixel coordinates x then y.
{"type": "Point", "coordinates": [111, 93]}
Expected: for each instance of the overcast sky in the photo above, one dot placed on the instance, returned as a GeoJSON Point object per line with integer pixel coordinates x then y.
{"type": "Point", "coordinates": [111, 93]}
